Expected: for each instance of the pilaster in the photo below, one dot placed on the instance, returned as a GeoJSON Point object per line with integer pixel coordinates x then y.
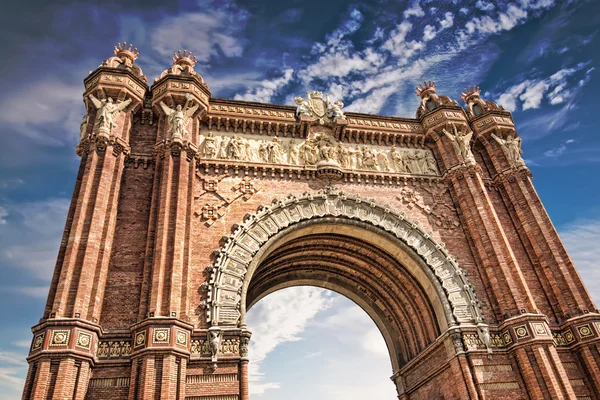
{"type": "Point", "coordinates": [180, 99]}
{"type": "Point", "coordinates": [497, 264]}
{"type": "Point", "coordinates": [68, 331]}
{"type": "Point", "coordinates": [553, 266]}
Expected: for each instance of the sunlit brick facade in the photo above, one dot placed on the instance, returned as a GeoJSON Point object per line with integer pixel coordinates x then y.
{"type": "Point", "coordinates": [188, 209]}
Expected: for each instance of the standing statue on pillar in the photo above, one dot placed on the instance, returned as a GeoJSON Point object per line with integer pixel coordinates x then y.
{"type": "Point", "coordinates": [107, 110]}
{"type": "Point", "coordinates": [512, 148]}
{"type": "Point", "coordinates": [462, 143]}
{"type": "Point", "coordinates": [179, 117]}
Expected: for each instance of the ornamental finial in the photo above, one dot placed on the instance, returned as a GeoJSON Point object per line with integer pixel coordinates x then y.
{"type": "Point", "coordinates": [184, 57]}
{"type": "Point", "coordinates": [425, 89]}
{"type": "Point", "coordinates": [183, 65]}
{"type": "Point", "coordinates": [122, 51]}
{"type": "Point", "coordinates": [470, 92]}
{"type": "Point", "coordinates": [123, 58]}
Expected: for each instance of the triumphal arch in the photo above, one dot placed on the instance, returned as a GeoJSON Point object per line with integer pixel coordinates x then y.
{"type": "Point", "coordinates": [188, 209]}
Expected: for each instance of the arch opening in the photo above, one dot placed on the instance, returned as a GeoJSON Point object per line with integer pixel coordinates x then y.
{"type": "Point", "coordinates": [325, 338]}
{"type": "Point", "coordinates": [407, 282]}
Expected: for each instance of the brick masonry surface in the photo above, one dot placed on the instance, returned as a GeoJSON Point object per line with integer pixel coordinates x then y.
{"type": "Point", "coordinates": [183, 217]}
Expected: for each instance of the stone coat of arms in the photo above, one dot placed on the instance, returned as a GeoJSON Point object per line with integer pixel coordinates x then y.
{"type": "Point", "coordinates": [319, 108]}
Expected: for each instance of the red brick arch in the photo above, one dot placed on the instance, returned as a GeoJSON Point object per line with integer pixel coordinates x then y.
{"type": "Point", "coordinates": [404, 279]}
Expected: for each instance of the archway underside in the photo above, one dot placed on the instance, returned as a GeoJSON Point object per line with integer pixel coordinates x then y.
{"type": "Point", "coordinates": [362, 272]}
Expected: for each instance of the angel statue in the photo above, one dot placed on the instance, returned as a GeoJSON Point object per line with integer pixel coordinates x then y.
{"type": "Point", "coordinates": [462, 143]}
{"type": "Point", "coordinates": [335, 108]}
{"type": "Point", "coordinates": [107, 109]}
{"type": "Point", "coordinates": [512, 148]}
{"type": "Point", "coordinates": [302, 108]}
{"type": "Point", "coordinates": [179, 117]}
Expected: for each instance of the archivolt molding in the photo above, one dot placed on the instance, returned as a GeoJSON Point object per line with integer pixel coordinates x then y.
{"type": "Point", "coordinates": [235, 256]}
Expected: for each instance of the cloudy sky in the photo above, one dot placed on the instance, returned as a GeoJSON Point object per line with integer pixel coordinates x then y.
{"type": "Point", "coordinates": [538, 58]}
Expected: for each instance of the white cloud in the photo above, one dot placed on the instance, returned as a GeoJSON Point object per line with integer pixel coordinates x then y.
{"type": "Point", "coordinates": [337, 348]}
{"type": "Point", "coordinates": [581, 239]}
{"type": "Point", "coordinates": [267, 88]}
{"type": "Point", "coordinates": [484, 5]}
{"type": "Point", "coordinates": [559, 150]}
{"type": "Point", "coordinates": [31, 242]}
{"type": "Point", "coordinates": [531, 92]}
{"type": "Point", "coordinates": [42, 104]}
{"type": "Point", "coordinates": [279, 318]}
{"type": "Point", "coordinates": [12, 367]}
{"type": "Point", "coordinates": [533, 95]}
{"type": "Point", "coordinates": [208, 33]}
{"type": "Point", "coordinates": [414, 10]}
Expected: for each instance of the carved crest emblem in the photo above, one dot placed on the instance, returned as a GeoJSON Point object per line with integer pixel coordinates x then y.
{"type": "Point", "coordinates": [316, 104]}
{"type": "Point", "coordinates": [319, 108]}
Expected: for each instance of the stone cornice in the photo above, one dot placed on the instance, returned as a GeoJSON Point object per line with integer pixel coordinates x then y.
{"type": "Point", "coordinates": [255, 169]}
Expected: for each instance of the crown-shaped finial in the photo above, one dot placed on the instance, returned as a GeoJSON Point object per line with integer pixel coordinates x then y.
{"type": "Point", "coordinates": [315, 94]}
{"type": "Point", "coordinates": [470, 91]}
{"type": "Point", "coordinates": [184, 57]}
{"type": "Point", "coordinates": [122, 51]}
{"type": "Point", "coordinates": [425, 88]}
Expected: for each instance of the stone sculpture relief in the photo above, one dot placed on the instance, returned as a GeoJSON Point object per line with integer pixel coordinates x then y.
{"type": "Point", "coordinates": [107, 110]}
{"type": "Point", "coordinates": [319, 108]}
{"type": "Point", "coordinates": [83, 126]}
{"type": "Point", "coordinates": [462, 143]}
{"type": "Point", "coordinates": [512, 148]}
{"type": "Point", "coordinates": [320, 146]}
{"type": "Point", "coordinates": [179, 117]}
{"type": "Point", "coordinates": [214, 342]}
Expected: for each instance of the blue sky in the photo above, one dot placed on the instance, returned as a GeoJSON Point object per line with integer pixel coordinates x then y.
{"type": "Point", "coordinates": [538, 58]}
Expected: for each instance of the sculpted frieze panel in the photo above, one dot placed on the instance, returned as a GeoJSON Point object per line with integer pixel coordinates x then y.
{"type": "Point", "coordinates": [319, 146]}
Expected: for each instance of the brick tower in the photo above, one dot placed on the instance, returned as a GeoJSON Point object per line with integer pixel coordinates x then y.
{"type": "Point", "coordinates": [188, 209]}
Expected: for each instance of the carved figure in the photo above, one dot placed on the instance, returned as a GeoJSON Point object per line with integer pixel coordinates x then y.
{"type": "Point", "coordinates": [249, 152]}
{"type": "Point", "coordinates": [369, 160]}
{"type": "Point", "coordinates": [224, 147]}
{"type": "Point", "coordinates": [107, 110]}
{"type": "Point", "coordinates": [398, 160]}
{"type": "Point", "coordinates": [384, 162]}
{"type": "Point", "coordinates": [263, 151]}
{"type": "Point", "coordinates": [83, 127]}
{"type": "Point", "coordinates": [179, 117]}
{"type": "Point", "coordinates": [275, 153]}
{"type": "Point", "coordinates": [214, 339]}
{"type": "Point", "coordinates": [417, 160]}
{"type": "Point", "coordinates": [302, 108]}
{"type": "Point", "coordinates": [293, 153]}
{"type": "Point", "coordinates": [326, 146]}
{"type": "Point", "coordinates": [210, 146]}
{"type": "Point", "coordinates": [512, 148]}
{"type": "Point", "coordinates": [335, 109]}
{"type": "Point", "coordinates": [357, 158]}
{"type": "Point", "coordinates": [431, 165]}
{"type": "Point", "coordinates": [462, 143]}
{"type": "Point", "coordinates": [236, 148]}
{"type": "Point", "coordinates": [344, 156]}
{"type": "Point", "coordinates": [484, 336]}
{"type": "Point", "coordinates": [309, 152]}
